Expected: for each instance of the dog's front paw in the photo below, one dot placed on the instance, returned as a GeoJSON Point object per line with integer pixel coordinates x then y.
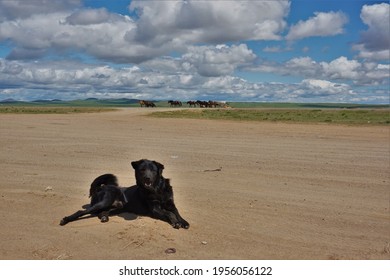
{"type": "Point", "coordinates": [184, 224]}
{"type": "Point", "coordinates": [176, 225]}
{"type": "Point", "coordinates": [64, 221]}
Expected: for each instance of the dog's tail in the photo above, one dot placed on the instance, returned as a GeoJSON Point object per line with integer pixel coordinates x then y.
{"type": "Point", "coordinates": [101, 181]}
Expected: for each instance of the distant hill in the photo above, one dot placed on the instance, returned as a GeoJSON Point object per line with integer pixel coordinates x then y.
{"type": "Point", "coordinates": [42, 101]}
{"type": "Point", "coordinates": [88, 102]}
{"type": "Point", "coordinates": [119, 100]}
{"type": "Point", "coordinates": [8, 100]}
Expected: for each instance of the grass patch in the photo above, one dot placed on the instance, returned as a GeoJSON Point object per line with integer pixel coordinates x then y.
{"type": "Point", "coordinates": [50, 110]}
{"type": "Point", "coordinates": [354, 117]}
{"type": "Point", "coordinates": [279, 105]}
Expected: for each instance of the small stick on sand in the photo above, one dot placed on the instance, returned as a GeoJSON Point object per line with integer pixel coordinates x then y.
{"type": "Point", "coordinates": [212, 170]}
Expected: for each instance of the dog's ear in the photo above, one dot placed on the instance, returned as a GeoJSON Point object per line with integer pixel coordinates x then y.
{"type": "Point", "coordinates": [135, 164]}
{"type": "Point", "coordinates": [160, 166]}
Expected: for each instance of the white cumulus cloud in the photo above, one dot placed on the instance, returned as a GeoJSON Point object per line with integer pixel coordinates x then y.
{"type": "Point", "coordinates": [91, 16]}
{"type": "Point", "coordinates": [320, 87]}
{"type": "Point", "coordinates": [13, 9]}
{"type": "Point", "coordinates": [41, 27]}
{"type": "Point", "coordinates": [342, 68]}
{"type": "Point", "coordinates": [194, 21]}
{"type": "Point", "coordinates": [321, 24]}
{"type": "Point", "coordinates": [375, 41]}
{"type": "Point", "coordinates": [218, 61]}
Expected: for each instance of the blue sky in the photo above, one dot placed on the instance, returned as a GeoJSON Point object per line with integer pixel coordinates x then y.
{"type": "Point", "coordinates": [279, 51]}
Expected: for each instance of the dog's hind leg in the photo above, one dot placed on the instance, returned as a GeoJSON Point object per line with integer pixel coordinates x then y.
{"type": "Point", "coordinates": [100, 206]}
{"type": "Point", "coordinates": [104, 216]}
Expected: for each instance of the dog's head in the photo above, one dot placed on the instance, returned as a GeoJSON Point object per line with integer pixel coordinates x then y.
{"type": "Point", "coordinates": [147, 173]}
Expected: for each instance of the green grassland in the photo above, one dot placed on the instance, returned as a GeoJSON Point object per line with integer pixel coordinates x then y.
{"type": "Point", "coordinates": [305, 105]}
{"type": "Point", "coordinates": [50, 110]}
{"type": "Point", "coordinates": [125, 102]}
{"type": "Point", "coordinates": [338, 113]}
{"type": "Point", "coordinates": [352, 117]}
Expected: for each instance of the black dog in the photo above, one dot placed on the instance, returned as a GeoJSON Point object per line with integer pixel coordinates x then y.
{"type": "Point", "coordinates": [153, 194]}
{"type": "Point", "coordinates": [106, 196]}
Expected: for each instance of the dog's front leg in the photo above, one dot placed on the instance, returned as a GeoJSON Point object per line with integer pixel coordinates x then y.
{"type": "Point", "coordinates": [170, 206]}
{"type": "Point", "coordinates": [162, 214]}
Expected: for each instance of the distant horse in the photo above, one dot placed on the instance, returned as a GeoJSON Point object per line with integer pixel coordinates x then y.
{"type": "Point", "coordinates": [191, 103]}
{"type": "Point", "coordinates": [202, 104]}
{"type": "Point", "coordinates": [145, 103]}
{"type": "Point", "coordinates": [214, 104]}
{"type": "Point", "coordinates": [175, 103]}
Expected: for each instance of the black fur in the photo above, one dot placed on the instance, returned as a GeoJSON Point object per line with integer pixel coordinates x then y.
{"type": "Point", "coordinates": [153, 194]}
{"type": "Point", "coordinates": [98, 183]}
{"type": "Point", "coordinates": [106, 196]}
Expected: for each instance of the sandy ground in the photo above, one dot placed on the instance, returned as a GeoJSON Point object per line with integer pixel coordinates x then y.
{"type": "Point", "coordinates": [286, 191]}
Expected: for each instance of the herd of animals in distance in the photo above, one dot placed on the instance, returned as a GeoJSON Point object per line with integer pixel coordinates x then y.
{"type": "Point", "coordinates": [198, 103]}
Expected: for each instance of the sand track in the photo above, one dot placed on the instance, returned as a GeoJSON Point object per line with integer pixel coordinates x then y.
{"type": "Point", "coordinates": [286, 191]}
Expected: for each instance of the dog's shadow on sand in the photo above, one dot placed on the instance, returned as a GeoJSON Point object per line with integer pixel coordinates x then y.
{"type": "Point", "coordinates": [128, 216]}
{"type": "Point", "coordinates": [124, 215]}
